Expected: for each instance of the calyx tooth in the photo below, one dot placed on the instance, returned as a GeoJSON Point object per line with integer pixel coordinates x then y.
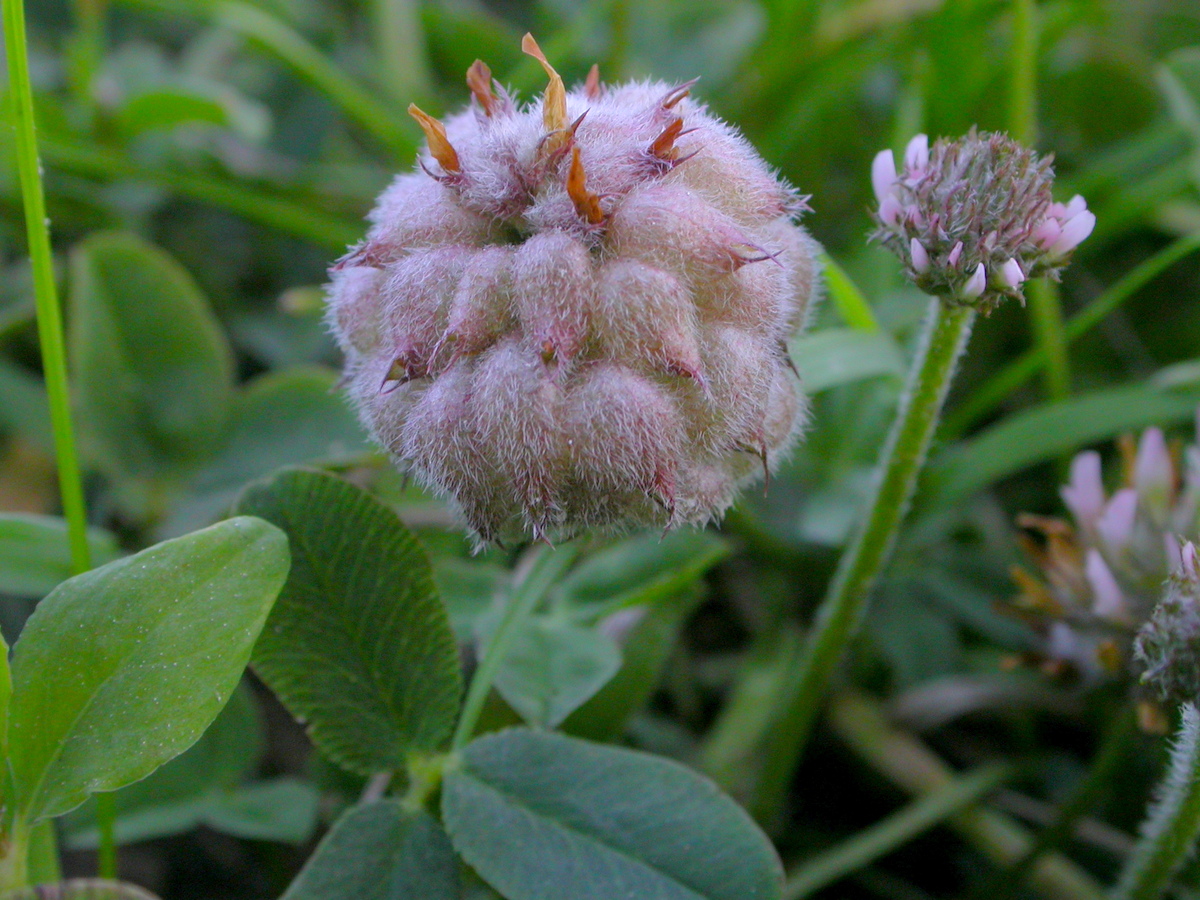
{"type": "Point", "coordinates": [440, 147]}
{"type": "Point", "coordinates": [677, 93]}
{"type": "Point", "coordinates": [592, 87]}
{"type": "Point", "coordinates": [663, 146]}
{"type": "Point", "coordinates": [479, 80]}
{"type": "Point", "coordinates": [554, 101]}
{"type": "Point", "coordinates": [587, 204]}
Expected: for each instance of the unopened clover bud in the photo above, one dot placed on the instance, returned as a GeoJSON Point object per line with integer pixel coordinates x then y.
{"type": "Point", "coordinates": [1168, 645]}
{"type": "Point", "coordinates": [920, 257]}
{"type": "Point", "coordinates": [1084, 494]}
{"type": "Point", "coordinates": [1154, 475]}
{"type": "Point", "coordinates": [1011, 274]}
{"type": "Point", "coordinates": [1115, 524]}
{"type": "Point", "coordinates": [1065, 227]}
{"type": "Point", "coordinates": [976, 284]}
{"type": "Point", "coordinates": [972, 219]}
{"type": "Point", "coordinates": [575, 313]}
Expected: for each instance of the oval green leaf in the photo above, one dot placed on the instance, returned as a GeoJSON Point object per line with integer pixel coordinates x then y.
{"type": "Point", "coordinates": [380, 851]}
{"type": "Point", "coordinates": [173, 798]}
{"type": "Point", "coordinates": [644, 655]}
{"type": "Point", "coordinates": [122, 668]}
{"type": "Point", "coordinates": [153, 373]}
{"type": "Point", "coordinates": [35, 557]}
{"type": "Point", "coordinates": [553, 667]}
{"type": "Point", "coordinates": [359, 646]}
{"type": "Point", "coordinates": [642, 570]}
{"type": "Point", "coordinates": [285, 418]}
{"type": "Point", "coordinates": [536, 814]}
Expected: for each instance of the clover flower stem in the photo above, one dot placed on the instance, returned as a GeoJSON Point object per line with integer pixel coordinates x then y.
{"type": "Point", "coordinates": [1045, 310]}
{"type": "Point", "coordinates": [947, 329]}
{"type": "Point", "coordinates": [544, 567]}
{"type": "Point", "coordinates": [1173, 824]}
{"type": "Point", "coordinates": [49, 318]}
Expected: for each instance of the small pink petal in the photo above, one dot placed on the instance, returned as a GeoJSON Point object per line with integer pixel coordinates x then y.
{"type": "Point", "coordinates": [916, 154]}
{"type": "Point", "coordinates": [1057, 211]}
{"type": "Point", "coordinates": [1153, 471]}
{"type": "Point", "coordinates": [1084, 495]}
{"type": "Point", "coordinates": [912, 213]}
{"type": "Point", "coordinates": [1174, 553]}
{"type": "Point", "coordinates": [1063, 643]}
{"type": "Point", "coordinates": [883, 174]}
{"type": "Point", "coordinates": [1074, 231]}
{"type": "Point", "coordinates": [976, 283]}
{"type": "Point", "coordinates": [1107, 600]}
{"type": "Point", "coordinates": [920, 258]}
{"type": "Point", "coordinates": [1011, 274]}
{"type": "Point", "coordinates": [955, 253]}
{"type": "Point", "coordinates": [1047, 233]}
{"type": "Point", "coordinates": [1191, 565]}
{"type": "Point", "coordinates": [889, 209]}
{"type": "Point", "coordinates": [1115, 525]}
{"type": "Point", "coordinates": [1075, 207]}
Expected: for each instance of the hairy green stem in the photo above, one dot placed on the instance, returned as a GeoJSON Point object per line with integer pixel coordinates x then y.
{"type": "Point", "coordinates": [1173, 825]}
{"type": "Point", "coordinates": [546, 567]}
{"type": "Point", "coordinates": [946, 332]}
{"type": "Point", "coordinates": [1022, 94]}
{"type": "Point", "coordinates": [106, 822]}
{"type": "Point", "coordinates": [400, 41]}
{"type": "Point", "coordinates": [86, 49]}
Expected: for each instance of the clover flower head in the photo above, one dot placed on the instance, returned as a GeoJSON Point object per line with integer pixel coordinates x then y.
{"type": "Point", "coordinates": [1168, 645]}
{"type": "Point", "coordinates": [1100, 577]}
{"type": "Point", "coordinates": [574, 313]}
{"type": "Point", "coordinates": [972, 219]}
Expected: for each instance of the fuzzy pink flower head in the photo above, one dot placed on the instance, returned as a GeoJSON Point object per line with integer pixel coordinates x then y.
{"type": "Point", "coordinates": [1101, 573]}
{"type": "Point", "coordinates": [575, 313]}
{"type": "Point", "coordinates": [972, 219]}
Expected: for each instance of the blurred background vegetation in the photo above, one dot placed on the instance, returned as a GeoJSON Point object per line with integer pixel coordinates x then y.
{"type": "Point", "coordinates": [206, 161]}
